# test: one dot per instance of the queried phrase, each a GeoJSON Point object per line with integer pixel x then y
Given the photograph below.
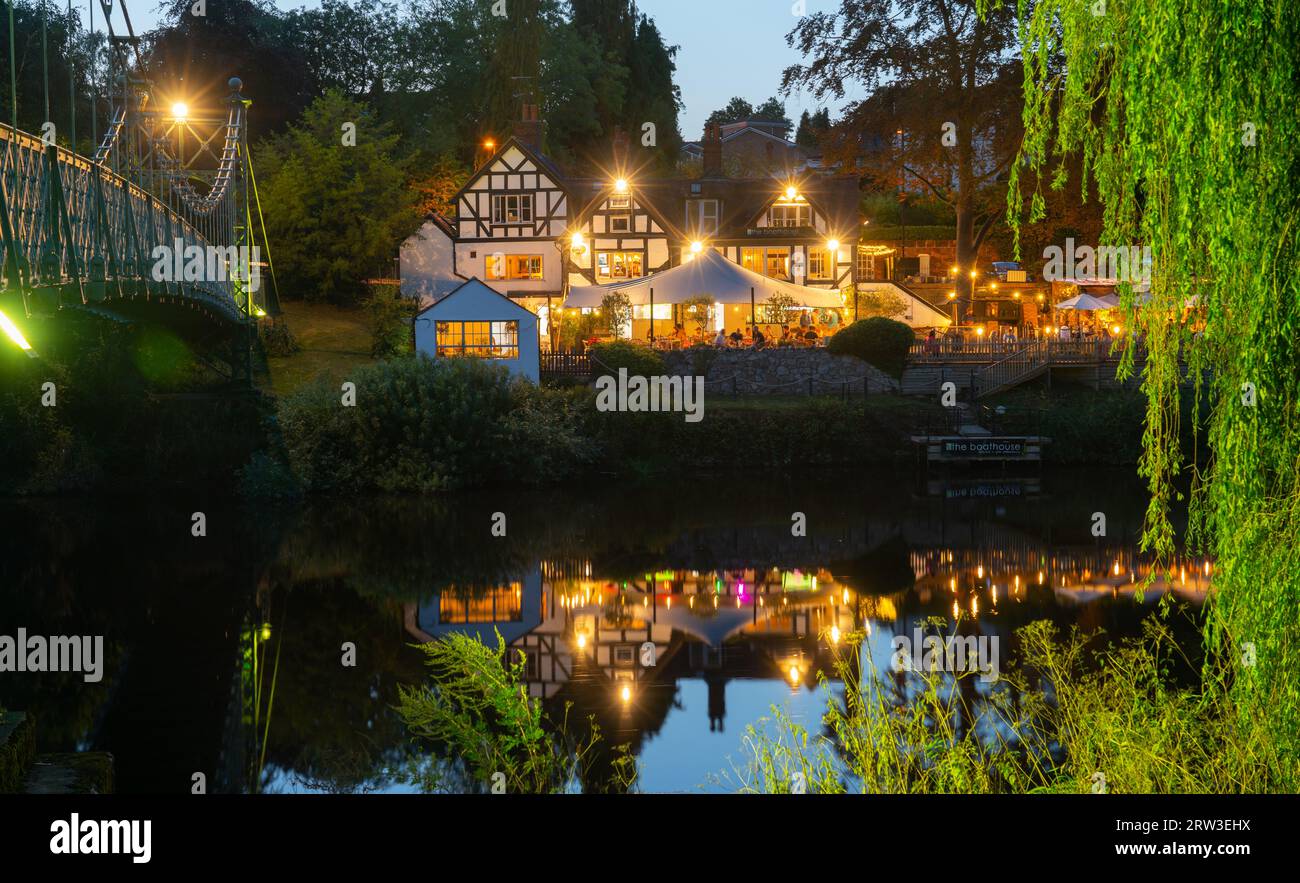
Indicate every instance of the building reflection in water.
{"type": "Point", "coordinates": [621, 638]}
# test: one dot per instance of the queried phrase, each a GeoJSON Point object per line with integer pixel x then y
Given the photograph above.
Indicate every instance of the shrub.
{"type": "Point", "coordinates": [877, 341]}
{"type": "Point", "coordinates": [423, 424]}
{"type": "Point", "coordinates": [607, 358]}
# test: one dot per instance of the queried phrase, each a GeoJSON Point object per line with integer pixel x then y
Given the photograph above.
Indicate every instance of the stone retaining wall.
{"type": "Point", "coordinates": [790, 371]}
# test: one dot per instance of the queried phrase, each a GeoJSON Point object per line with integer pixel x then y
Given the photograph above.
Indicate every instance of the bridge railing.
{"type": "Point", "coordinates": [62, 229]}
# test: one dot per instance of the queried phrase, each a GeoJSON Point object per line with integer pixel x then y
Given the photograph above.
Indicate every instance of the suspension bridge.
{"type": "Point", "coordinates": [156, 227]}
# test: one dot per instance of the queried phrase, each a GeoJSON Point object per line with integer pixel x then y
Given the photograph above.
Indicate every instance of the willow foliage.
{"type": "Point", "coordinates": [1187, 116]}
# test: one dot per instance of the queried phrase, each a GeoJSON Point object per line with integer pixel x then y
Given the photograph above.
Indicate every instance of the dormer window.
{"type": "Point", "coordinates": [796, 213]}
{"type": "Point", "coordinates": [702, 216]}
{"type": "Point", "coordinates": [620, 202]}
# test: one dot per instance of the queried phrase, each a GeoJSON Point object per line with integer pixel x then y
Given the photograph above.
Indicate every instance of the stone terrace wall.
{"type": "Point", "coordinates": [778, 371]}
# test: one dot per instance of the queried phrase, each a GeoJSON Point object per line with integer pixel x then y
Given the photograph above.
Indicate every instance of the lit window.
{"type": "Point", "coordinates": [778, 263]}
{"type": "Point", "coordinates": [820, 264]}
{"type": "Point", "coordinates": [512, 208]}
{"type": "Point", "coordinates": [618, 264]}
{"type": "Point", "coordinates": [620, 202]}
{"type": "Point", "coordinates": [484, 340]}
{"type": "Point", "coordinates": [790, 215]}
{"type": "Point", "coordinates": [513, 266]}
{"type": "Point", "coordinates": [752, 259]}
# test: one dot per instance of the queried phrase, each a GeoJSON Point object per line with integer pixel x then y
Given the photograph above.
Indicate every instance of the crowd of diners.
{"type": "Point", "coordinates": [812, 328]}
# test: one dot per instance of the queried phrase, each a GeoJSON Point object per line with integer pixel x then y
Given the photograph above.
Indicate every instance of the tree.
{"type": "Point", "coordinates": [195, 56]}
{"type": "Point", "coordinates": [335, 214]}
{"type": "Point", "coordinates": [1194, 152]}
{"type": "Point", "coordinates": [880, 301]}
{"type": "Point", "coordinates": [944, 111]}
{"type": "Point", "coordinates": [737, 109]}
{"type": "Point", "coordinates": [772, 110]}
{"type": "Point", "coordinates": [812, 128]}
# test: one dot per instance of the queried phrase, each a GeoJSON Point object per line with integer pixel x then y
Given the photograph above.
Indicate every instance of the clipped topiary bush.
{"type": "Point", "coordinates": [877, 341]}
{"type": "Point", "coordinates": [607, 358]}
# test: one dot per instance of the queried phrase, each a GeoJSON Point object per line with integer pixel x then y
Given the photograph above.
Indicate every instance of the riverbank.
{"type": "Point", "coordinates": [120, 425]}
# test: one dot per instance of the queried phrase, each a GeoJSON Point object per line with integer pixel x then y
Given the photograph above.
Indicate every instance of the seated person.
{"type": "Point", "coordinates": [810, 335]}
{"type": "Point", "coordinates": [759, 339]}
{"type": "Point", "coordinates": [737, 337]}
{"type": "Point", "coordinates": [721, 339]}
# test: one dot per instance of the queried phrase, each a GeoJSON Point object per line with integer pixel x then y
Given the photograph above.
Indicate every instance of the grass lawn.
{"type": "Point", "coordinates": [333, 341]}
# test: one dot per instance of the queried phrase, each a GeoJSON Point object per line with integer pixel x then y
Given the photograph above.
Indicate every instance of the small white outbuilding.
{"type": "Point", "coordinates": [475, 320]}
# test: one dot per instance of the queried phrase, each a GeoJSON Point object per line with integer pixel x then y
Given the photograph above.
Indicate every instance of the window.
{"type": "Point", "coordinates": [618, 223]}
{"type": "Point", "coordinates": [702, 216]}
{"type": "Point", "coordinates": [512, 208]}
{"type": "Point", "coordinates": [778, 263]}
{"type": "Point", "coordinates": [620, 202]}
{"type": "Point", "coordinates": [484, 340]}
{"type": "Point", "coordinates": [752, 259]}
{"type": "Point", "coordinates": [790, 215]}
{"type": "Point", "coordinates": [866, 266]}
{"type": "Point", "coordinates": [820, 263]}
{"type": "Point", "coordinates": [513, 266]}
{"type": "Point", "coordinates": [618, 264]}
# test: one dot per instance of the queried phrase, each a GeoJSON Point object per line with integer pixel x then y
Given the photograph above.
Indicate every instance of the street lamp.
{"type": "Point", "coordinates": [180, 111]}
{"type": "Point", "coordinates": [620, 186]}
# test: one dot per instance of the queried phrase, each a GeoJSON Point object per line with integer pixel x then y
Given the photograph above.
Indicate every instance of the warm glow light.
{"type": "Point", "coordinates": [791, 192]}
{"type": "Point", "coordinates": [11, 331]}
{"type": "Point", "coordinates": [626, 693]}
{"type": "Point", "coordinates": [1115, 330]}
{"type": "Point", "coordinates": [955, 269]}
{"type": "Point", "coordinates": [180, 111]}
{"type": "Point", "coordinates": [578, 241]}
{"type": "Point", "coordinates": [979, 332]}
{"type": "Point", "coordinates": [794, 674]}
{"type": "Point", "coordinates": [1016, 295]}
{"type": "Point", "coordinates": [952, 295]}
{"type": "Point", "coordinates": [972, 274]}
{"type": "Point", "coordinates": [835, 634]}
{"type": "Point", "coordinates": [582, 642]}
{"type": "Point", "coordinates": [620, 186]}
{"type": "Point", "coordinates": [697, 247]}
{"type": "Point", "coordinates": [833, 244]}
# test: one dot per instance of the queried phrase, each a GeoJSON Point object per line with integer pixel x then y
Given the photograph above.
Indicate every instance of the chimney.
{"type": "Point", "coordinates": [528, 128]}
{"type": "Point", "coordinates": [712, 147]}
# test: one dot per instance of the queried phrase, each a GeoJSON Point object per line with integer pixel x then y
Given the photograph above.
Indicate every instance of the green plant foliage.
{"type": "Point", "coordinates": [476, 708]}
{"type": "Point", "coordinates": [1185, 114]}
{"type": "Point", "coordinates": [424, 424]}
{"type": "Point", "coordinates": [607, 358]}
{"type": "Point", "coordinates": [336, 212]}
{"type": "Point", "coordinates": [877, 341]}
{"type": "Point", "coordinates": [1064, 713]}
{"type": "Point", "coordinates": [390, 316]}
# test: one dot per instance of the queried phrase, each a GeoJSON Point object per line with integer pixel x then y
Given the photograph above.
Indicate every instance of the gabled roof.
{"type": "Point", "coordinates": [580, 185]}
{"type": "Point", "coordinates": [544, 162]}
{"type": "Point", "coordinates": [480, 285]}
{"type": "Point", "coordinates": [745, 199]}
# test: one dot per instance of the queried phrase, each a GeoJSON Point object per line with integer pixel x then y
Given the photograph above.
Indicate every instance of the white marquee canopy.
{"type": "Point", "coordinates": [708, 275]}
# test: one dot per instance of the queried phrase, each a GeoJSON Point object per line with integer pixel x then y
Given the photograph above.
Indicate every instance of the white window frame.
{"type": "Point", "coordinates": [702, 222]}
{"type": "Point", "coordinates": [523, 208]}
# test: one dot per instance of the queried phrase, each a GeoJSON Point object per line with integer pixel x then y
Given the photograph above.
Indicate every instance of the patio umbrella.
{"type": "Point", "coordinates": [1085, 303]}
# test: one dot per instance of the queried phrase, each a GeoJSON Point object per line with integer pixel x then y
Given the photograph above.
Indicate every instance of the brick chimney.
{"type": "Point", "coordinates": [712, 148]}
{"type": "Point", "coordinates": [528, 128]}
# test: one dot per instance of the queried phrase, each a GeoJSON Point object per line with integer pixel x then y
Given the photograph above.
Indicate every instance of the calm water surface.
{"type": "Point", "coordinates": [224, 652]}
